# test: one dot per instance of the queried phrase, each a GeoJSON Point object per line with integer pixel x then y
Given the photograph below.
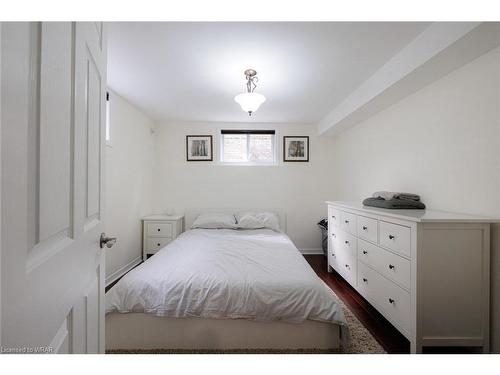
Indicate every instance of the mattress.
{"type": "Point", "coordinates": [256, 275]}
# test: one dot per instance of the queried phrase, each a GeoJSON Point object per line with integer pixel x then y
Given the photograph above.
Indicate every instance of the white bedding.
{"type": "Point", "coordinates": [228, 274]}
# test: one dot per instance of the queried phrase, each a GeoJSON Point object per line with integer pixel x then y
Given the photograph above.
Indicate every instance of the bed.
{"type": "Point", "coordinates": [222, 289]}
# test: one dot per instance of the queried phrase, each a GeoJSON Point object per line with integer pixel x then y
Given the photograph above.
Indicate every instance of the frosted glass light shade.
{"type": "Point", "coordinates": [250, 101]}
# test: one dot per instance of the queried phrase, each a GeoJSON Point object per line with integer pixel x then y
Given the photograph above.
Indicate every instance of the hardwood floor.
{"type": "Point", "coordinates": [383, 331]}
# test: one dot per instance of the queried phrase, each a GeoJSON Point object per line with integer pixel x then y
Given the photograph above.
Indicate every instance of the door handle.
{"type": "Point", "coordinates": [106, 241]}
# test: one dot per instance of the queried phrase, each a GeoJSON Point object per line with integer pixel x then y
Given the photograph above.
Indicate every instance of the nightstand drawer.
{"type": "Point", "coordinates": [159, 229]}
{"type": "Point", "coordinates": [155, 244]}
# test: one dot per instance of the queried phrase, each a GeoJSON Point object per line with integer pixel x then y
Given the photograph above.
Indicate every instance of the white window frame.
{"type": "Point", "coordinates": [108, 119]}
{"type": "Point", "coordinates": [220, 148]}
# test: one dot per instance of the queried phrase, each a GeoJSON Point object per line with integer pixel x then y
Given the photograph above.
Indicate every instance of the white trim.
{"type": "Point", "coordinates": [312, 251]}
{"type": "Point", "coordinates": [437, 51]}
{"type": "Point", "coordinates": [122, 271]}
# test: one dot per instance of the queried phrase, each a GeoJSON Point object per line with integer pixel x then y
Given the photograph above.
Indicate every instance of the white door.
{"type": "Point", "coordinates": [53, 82]}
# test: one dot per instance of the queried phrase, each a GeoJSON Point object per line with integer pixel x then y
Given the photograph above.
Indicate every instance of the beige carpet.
{"type": "Point", "coordinates": [362, 342]}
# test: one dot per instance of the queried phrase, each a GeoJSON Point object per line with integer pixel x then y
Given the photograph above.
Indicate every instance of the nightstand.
{"type": "Point", "coordinates": [158, 231]}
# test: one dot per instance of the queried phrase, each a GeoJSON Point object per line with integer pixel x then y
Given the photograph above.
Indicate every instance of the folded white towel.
{"type": "Point", "coordinates": [388, 195]}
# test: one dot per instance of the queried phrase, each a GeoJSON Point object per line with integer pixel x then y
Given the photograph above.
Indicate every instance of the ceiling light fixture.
{"type": "Point", "coordinates": [250, 101]}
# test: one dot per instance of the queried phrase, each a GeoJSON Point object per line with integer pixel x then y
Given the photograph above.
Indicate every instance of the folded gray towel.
{"type": "Point", "coordinates": [394, 203]}
{"type": "Point", "coordinates": [388, 195]}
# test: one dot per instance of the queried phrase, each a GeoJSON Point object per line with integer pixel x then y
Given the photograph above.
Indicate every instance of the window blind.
{"type": "Point", "coordinates": [237, 131]}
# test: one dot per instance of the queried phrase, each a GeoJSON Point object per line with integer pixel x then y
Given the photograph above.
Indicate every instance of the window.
{"type": "Point", "coordinates": [108, 124]}
{"type": "Point", "coordinates": [252, 147]}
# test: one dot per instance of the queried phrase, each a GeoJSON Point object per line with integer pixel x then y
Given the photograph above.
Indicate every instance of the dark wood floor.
{"type": "Point", "coordinates": [383, 331]}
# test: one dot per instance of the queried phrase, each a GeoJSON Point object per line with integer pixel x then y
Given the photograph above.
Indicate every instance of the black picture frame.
{"type": "Point", "coordinates": [209, 157]}
{"type": "Point", "coordinates": [302, 159]}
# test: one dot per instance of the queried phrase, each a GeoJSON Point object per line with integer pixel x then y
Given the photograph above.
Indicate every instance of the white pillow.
{"type": "Point", "coordinates": [257, 220]}
{"type": "Point", "coordinates": [215, 221]}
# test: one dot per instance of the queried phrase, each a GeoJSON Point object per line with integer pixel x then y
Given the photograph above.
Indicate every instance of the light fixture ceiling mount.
{"type": "Point", "coordinates": [250, 101]}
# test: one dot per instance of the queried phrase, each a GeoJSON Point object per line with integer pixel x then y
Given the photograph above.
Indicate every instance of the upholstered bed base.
{"type": "Point", "coordinates": [146, 331]}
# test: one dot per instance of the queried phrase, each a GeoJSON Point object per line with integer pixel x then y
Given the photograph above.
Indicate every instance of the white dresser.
{"type": "Point", "coordinates": [158, 231]}
{"type": "Point", "coordinates": [427, 272]}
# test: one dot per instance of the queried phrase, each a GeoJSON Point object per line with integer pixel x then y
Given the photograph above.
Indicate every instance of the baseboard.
{"type": "Point", "coordinates": [313, 251]}
{"type": "Point", "coordinates": [122, 270]}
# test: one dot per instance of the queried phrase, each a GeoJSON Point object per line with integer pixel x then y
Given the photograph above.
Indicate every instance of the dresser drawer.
{"type": "Point", "coordinates": [367, 228]}
{"type": "Point", "coordinates": [159, 229]}
{"type": "Point", "coordinates": [155, 244]}
{"type": "Point", "coordinates": [347, 267]}
{"type": "Point", "coordinates": [334, 219]}
{"type": "Point", "coordinates": [332, 259]}
{"type": "Point", "coordinates": [348, 222]}
{"type": "Point", "coordinates": [392, 266]}
{"type": "Point", "coordinates": [334, 237]}
{"type": "Point", "coordinates": [391, 300]}
{"type": "Point", "coordinates": [346, 243]}
{"type": "Point", "coordinates": [395, 237]}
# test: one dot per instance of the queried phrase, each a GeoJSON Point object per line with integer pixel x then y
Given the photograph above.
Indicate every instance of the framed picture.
{"type": "Point", "coordinates": [199, 148]}
{"type": "Point", "coordinates": [296, 148]}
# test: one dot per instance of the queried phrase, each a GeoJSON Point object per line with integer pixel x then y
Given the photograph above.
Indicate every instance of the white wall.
{"type": "Point", "coordinates": [300, 188]}
{"type": "Point", "coordinates": [443, 143]}
{"type": "Point", "coordinates": [129, 181]}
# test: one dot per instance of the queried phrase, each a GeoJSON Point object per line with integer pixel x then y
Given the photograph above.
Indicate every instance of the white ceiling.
{"type": "Point", "coordinates": [192, 71]}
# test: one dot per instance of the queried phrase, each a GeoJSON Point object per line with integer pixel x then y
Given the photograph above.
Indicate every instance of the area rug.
{"type": "Point", "coordinates": [362, 342]}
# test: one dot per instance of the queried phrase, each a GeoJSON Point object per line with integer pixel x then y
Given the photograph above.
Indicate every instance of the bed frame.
{"type": "Point", "coordinates": [136, 331]}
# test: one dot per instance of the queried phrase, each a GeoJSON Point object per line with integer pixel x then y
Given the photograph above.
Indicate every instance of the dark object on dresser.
{"type": "Point", "coordinates": [394, 203]}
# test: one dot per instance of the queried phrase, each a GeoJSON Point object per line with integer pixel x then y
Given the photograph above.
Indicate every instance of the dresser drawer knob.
{"type": "Point", "coordinates": [334, 235]}
{"type": "Point", "coordinates": [159, 229]}
{"type": "Point", "coordinates": [346, 221]}
{"type": "Point", "coordinates": [158, 244]}
{"type": "Point", "coordinates": [391, 237]}
{"type": "Point", "coordinates": [365, 280]}
{"type": "Point", "coordinates": [365, 227]}
{"type": "Point", "coordinates": [333, 255]}
{"type": "Point", "coordinates": [347, 266]}
{"type": "Point", "coordinates": [391, 300]}
{"type": "Point", "coordinates": [391, 266]}
{"type": "Point", "coordinates": [333, 217]}
{"type": "Point", "coordinates": [347, 242]}
{"type": "Point", "coordinates": [365, 252]}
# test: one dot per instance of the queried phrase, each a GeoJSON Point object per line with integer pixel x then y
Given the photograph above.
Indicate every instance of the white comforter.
{"type": "Point", "coordinates": [228, 274]}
